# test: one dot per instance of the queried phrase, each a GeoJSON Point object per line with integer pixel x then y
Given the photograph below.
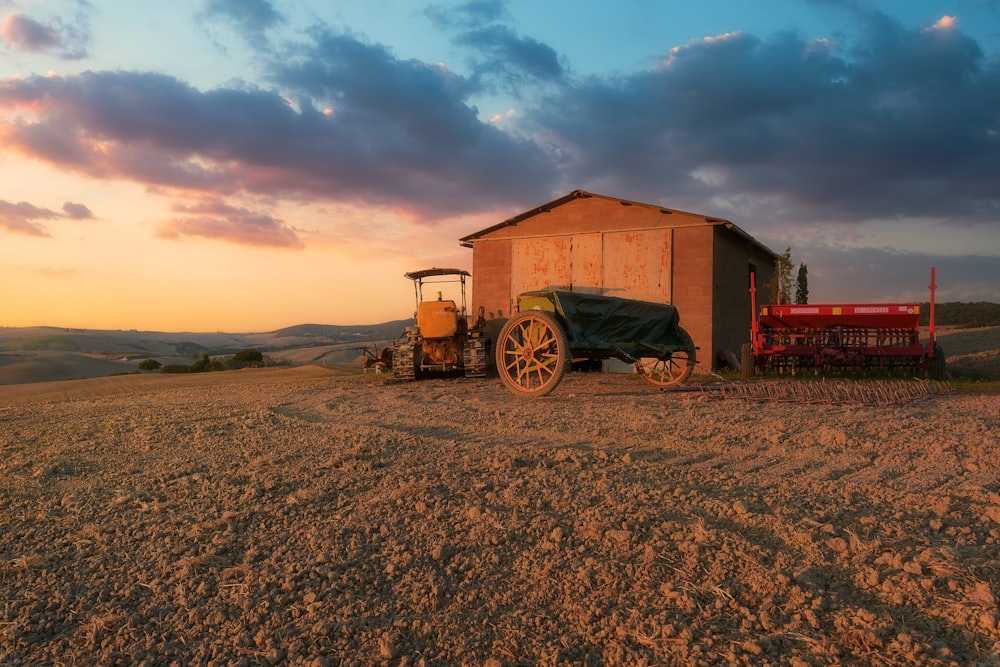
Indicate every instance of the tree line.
{"type": "Point", "coordinates": [205, 364]}
{"type": "Point", "coordinates": [961, 314]}
{"type": "Point", "coordinates": [782, 286]}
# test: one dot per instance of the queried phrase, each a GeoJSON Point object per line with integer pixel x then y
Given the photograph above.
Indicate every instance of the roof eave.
{"type": "Point", "coordinates": [544, 208]}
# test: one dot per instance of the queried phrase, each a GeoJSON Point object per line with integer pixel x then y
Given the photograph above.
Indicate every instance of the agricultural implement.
{"type": "Point", "coordinates": [789, 338]}
{"type": "Point", "coordinates": [553, 329]}
{"type": "Point", "coordinates": [440, 339]}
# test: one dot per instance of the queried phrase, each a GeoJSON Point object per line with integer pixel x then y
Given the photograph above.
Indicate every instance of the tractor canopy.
{"type": "Point", "coordinates": [438, 276]}
{"type": "Point", "coordinates": [428, 273]}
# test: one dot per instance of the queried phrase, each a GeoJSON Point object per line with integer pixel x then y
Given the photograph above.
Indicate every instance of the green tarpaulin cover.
{"type": "Point", "coordinates": [637, 328]}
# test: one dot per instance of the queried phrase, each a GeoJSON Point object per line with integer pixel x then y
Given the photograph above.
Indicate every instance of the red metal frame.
{"type": "Point", "coordinates": [862, 335]}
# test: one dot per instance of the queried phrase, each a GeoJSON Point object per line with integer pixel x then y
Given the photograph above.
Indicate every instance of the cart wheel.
{"type": "Point", "coordinates": [532, 353]}
{"type": "Point", "coordinates": [673, 370]}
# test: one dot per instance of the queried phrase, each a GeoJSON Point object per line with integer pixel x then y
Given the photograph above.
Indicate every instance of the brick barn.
{"type": "Point", "coordinates": [591, 243]}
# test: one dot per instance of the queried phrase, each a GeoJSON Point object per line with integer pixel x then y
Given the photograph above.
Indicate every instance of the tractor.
{"type": "Point", "coordinates": [440, 339]}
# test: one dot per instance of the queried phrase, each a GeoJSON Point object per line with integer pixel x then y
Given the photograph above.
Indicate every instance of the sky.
{"type": "Point", "coordinates": [246, 165]}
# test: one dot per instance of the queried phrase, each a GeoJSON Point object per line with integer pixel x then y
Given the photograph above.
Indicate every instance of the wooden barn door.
{"type": "Point", "coordinates": [637, 264]}
{"type": "Point", "coordinates": [540, 264]}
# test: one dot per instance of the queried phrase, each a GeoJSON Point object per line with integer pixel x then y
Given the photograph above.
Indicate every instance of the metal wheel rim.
{"type": "Point", "coordinates": [666, 372]}
{"type": "Point", "coordinates": [530, 357]}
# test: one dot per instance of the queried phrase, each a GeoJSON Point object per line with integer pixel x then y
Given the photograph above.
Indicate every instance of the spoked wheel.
{"type": "Point", "coordinates": [532, 353]}
{"type": "Point", "coordinates": [673, 370]}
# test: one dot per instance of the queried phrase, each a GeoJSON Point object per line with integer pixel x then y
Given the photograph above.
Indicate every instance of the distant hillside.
{"type": "Point", "coordinates": [133, 343]}
{"type": "Point", "coordinates": [124, 343]}
{"type": "Point", "coordinates": [46, 366]}
{"type": "Point", "coordinates": [964, 315]}
{"type": "Point", "coordinates": [346, 334]}
{"type": "Point", "coordinates": [59, 342]}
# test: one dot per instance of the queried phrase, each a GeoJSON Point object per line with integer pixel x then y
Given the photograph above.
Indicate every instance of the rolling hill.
{"type": "Point", "coordinates": [43, 354]}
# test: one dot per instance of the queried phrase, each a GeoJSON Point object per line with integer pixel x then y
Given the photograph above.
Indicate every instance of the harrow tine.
{"type": "Point", "coordinates": [834, 392]}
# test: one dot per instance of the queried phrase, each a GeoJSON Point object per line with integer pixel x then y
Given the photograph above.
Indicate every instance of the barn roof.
{"type": "Point", "coordinates": [583, 194]}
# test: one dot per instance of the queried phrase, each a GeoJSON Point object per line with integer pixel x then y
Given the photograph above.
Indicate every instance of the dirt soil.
{"type": "Point", "coordinates": [306, 518]}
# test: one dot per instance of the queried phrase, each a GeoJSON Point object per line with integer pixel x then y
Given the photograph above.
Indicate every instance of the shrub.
{"type": "Point", "coordinates": [248, 357]}
{"type": "Point", "coordinates": [149, 365]}
{"type": "Point", "coordinates": [175, 368]}
{"type": "Point", "coordinates": [202, 364]}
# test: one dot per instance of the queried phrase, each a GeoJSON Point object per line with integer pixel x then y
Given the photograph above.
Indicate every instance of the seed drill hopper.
{"type": "Point", "coordinates": [826, 338]}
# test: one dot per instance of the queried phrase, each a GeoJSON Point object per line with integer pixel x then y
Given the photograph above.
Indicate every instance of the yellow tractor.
{"type": "Point", "coordinates": [440, 339]}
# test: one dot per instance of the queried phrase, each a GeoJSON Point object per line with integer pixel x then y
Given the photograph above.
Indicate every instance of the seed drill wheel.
{"type": "Point", "coordinates": [532, 353]}
{"type": "Point", "coordinates": [670, 371]}
{"type": "Point", "coordinates": [936, 366]}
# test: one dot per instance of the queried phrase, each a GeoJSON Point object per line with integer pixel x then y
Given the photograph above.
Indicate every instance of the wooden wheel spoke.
{"type": "Point", "coordinates": [547, 359]}
{"type": "Point", "coordinates": [524, 372]}
{"type": "Point", "coordinates": [540, 366]}
{"type": "Point", "coordinates": [546, 338]}
{"type": "Point", "coordinates": [513, 364]}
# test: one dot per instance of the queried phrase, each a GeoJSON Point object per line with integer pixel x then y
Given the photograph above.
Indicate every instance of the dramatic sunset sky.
{"type": "Point", "coordinates": [244, 165]}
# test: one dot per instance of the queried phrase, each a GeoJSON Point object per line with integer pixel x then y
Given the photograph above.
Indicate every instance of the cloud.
{"type": "Point", "coordinates": [252, 15]}
{"type": "Point", "coordinates": [511, 59]}
{"type": "Point", "coordinates": [77, 211]}
{"type": "Point", "coordinates": [251, 18]}
{"type": "Point", "coordinates": [399, 134]}
{"type": "Point", "coordinates": [498, 56]}
{"type": "Point", "coordinates": [27, 34]}
{"type": "Point", "coordinates": [212, 219]}
{"type": "Point", "coordinates": [67, 40]}
{"type": "Point", "coordinates": [944, 23]}
{"type": "Point", "coordinates": [20, 218]}
{"type": "Point", "coordinates": [903, 122]}
{"type": "Point", "coordinates": [467, 15]}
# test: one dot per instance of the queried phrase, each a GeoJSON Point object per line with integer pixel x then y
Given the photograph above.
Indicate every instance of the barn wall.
{"type": "Point", "coordinates": [491, 273]}
{"type": "Point", "coordinates": [734, 258]}
{"type": "Point", "coordinates": [692, 277]}
{"type": "Point", "coordinates": [732, 295]}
